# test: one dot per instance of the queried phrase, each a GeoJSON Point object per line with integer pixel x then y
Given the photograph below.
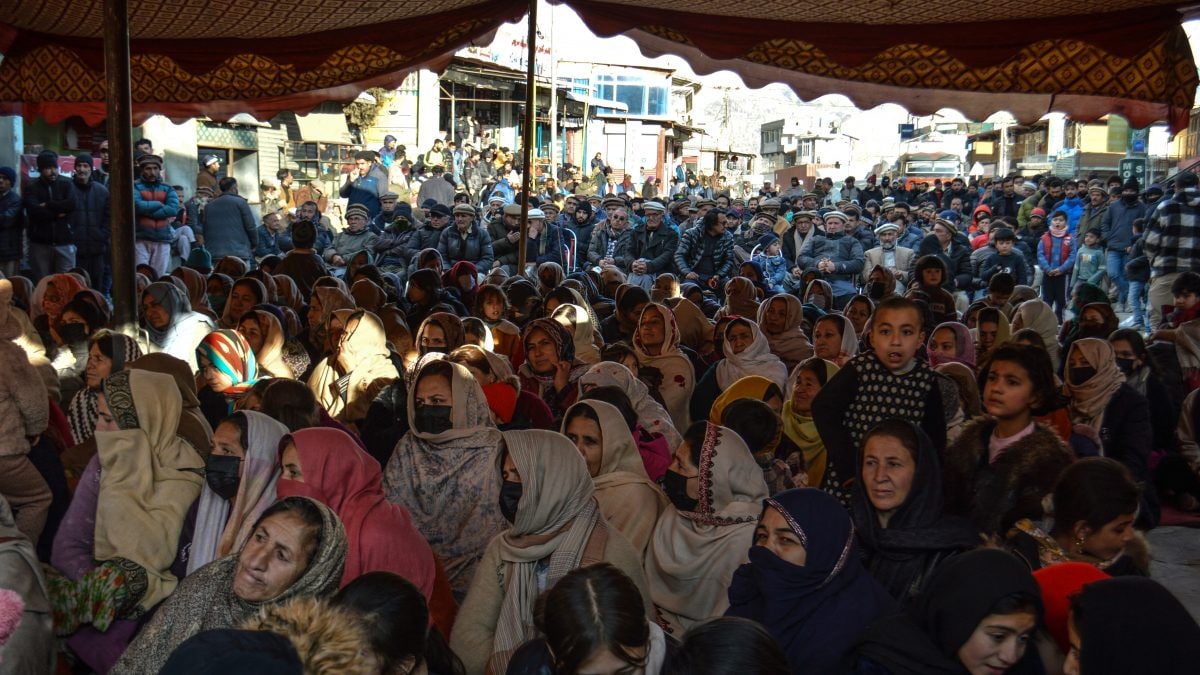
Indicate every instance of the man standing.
{"type": "Point", "coordinates": [1170, 242]}
{"type": "Point", "coordinates": [208, 174]}
{"type": "Point", "coordinates": [959, 189]}
{"type": "Point", "coordinates": [1006, 204]}
{"type": "Point", "coordinates": [1093, 214]}
{"type": "Point", "coordinates": [363, 187]}
{"type": "Point", "coordinates": [437, 187]}
{"type": "Point", "coordinates": [48, 207]}
{"type": "Point", "coordinates": [12, 223]}
{"type": "Point", "coordinates": [228, 226]}
{"type": "Point", "coordinates": [287, 196]}
{"type": "Point", "coordinates": [101, 175]}
{"type": "Point", "coordinates": [90, 221]}
{"type": "Point", "coordinates": [155, 204]}
{"type": "Point", "coordinates": [1117, 232]}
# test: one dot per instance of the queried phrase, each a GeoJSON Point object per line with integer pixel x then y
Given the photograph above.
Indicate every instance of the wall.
{"type": "Point", "coordinates": [176, 144]}
{"type": "Point", "coordinates": [410, 114]}
{"type": "Point", "coordinates": [12, 140]}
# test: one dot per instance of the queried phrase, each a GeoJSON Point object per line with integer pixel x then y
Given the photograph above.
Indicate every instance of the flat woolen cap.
{"type": "Point", "coordinates": [464, 208]}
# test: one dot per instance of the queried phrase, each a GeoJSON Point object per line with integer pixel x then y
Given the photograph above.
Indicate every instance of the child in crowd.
{"type": "Point", "coordinates": [770, 258]}
{"type": "Point", "coordinates": [1005, 259]}
{"type": "Point", "coordinates": [999, 289]}
{"type": "Point", "coordinates": [1056, 257]}
{"type": "Point", "coordinates": [1137, 272]}
{"type": "Point", "coordinates": [887, 382]}
{"type": "Point", "coordinates": [1089, 260]}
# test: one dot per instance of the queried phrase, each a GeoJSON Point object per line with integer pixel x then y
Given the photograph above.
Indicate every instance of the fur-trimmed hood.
{"type": "Point", "coordinates": [330, 640]}
{"type": "Point", "coordinates": [998, 495]}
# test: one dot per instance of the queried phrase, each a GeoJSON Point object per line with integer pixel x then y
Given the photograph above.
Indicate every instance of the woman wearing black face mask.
{"type": "Point", "coordinates": [444, 469]}
{"type": "Point", "coordinates": [548, 495]}
{"type": "Point", "coordinates": [1117, 416]}
{"type": "Point", "coordinates": [239, 484]}
{"type": "Point", "coordinates": [717, 489]}
{"type": "Point", "coordinates": [79, 320]}
{"type": "Point", "coordinates": [440, 332]}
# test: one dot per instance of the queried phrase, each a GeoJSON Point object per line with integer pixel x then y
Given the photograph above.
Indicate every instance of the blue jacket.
{"type": "Point", "coordinates": [268, 242]}
{"type": "Point", "coordinates": [154, 203]}
{"type": "Point", "coordinates": [775, 269]}
{"type": "Point", "coordinates": [1117, 228]}
{"type": "Point", "coordinates": [1060, 249]}
{"type": "Point", "coordinates": [364, 190]}
{"type": "Point", "coordinates": [1073, 206]}
{"type": "Point", "coordinates": [228, 227]}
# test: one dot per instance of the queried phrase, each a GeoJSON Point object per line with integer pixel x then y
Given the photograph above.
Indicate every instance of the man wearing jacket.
{"type": "Point", "coordinates": [228, 226]}
{"type": "Point", "coordinates": [652, 247]}
{"type": "Point", "coordinates": [705, 253]}
{"type": "Point", "coordinates": [1169, 242]}
{"type": "Point", "coordinates": [362, 186]}
{"type": "Point", "coordinates": [835, 257]}
{"type": "Point", "coordinates": [155, 205]}
{"type": "Point", "coordinates": [90, 221]}
{"type": "Point", "coordinates": [610, 241]}
{"type": "Point", "coordinates": [1006, 204]}
{"type": "Point", "coordinates": [48, 206]}
{"type": "Point", "coordinates": [12, 223]}
{"type": "Point", "coordinates": [466, 240]}
{"type": "Point", "coordinates": [1117, 232]}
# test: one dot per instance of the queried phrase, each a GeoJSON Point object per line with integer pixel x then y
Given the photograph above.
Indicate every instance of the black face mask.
{"type": "Point", "coordinates": [223, 475]}
{"type": "Point", "coordinates": [1126, 365]}
{"type": "Point", "coordinates": [875, 290]}
{"type": "Point", "coordinates": [1129, 199]}
{"type": "Point", "coordinates": [434, 419]}
{"type": "Point", "coordinates": [1082, 374]}
{"type": "Point", "coordinates": [73, 333]}
{"type": "Point", "coordinates": [675, 485]}
{"type": "Point", "coordinates": [510, 499]}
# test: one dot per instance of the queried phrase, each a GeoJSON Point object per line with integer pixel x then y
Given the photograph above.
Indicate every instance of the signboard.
{"type": "Point", "coordinates": [907, 131]}
{"type": "Point", "coordinates": [1133, 167]}
{"type": "Point", "coordinates": [1137, 140]}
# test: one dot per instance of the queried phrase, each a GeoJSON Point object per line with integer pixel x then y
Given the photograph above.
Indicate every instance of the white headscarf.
{"type": "Point", "coordinates": [653, 417]}
{"type": "Point", "coordinates": [756, 359]}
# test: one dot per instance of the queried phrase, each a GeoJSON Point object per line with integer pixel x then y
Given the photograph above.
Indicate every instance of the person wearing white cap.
{"type": "Point", "coordinates": [896, 259]}
{"type": "Point", "coordinates": [651, 246]}
{"type": "Point", "coordinates": [210, 166]}
{"type": "Point", "coordinates": [545, 241]}
{"type": "Point", "coordinates": [835, 257]}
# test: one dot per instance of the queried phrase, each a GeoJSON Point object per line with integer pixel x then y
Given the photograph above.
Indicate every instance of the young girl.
{"type": "Point", "coordinates": [999, 468]}
{"type": "Point", "coordinates": [887, 382]}
{"type": "Point", "coordinates": [491, 305]}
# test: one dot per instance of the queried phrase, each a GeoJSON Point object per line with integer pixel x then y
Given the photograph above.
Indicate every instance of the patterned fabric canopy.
{"type": "Point", "coordinates": [221, 57]}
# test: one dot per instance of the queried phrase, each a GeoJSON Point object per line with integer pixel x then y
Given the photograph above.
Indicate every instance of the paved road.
{"type": "Point", "coordinates": [1176, 563]}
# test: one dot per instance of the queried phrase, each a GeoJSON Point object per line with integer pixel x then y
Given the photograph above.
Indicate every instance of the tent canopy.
{"type": "Point", "coordinates": [225, 56]}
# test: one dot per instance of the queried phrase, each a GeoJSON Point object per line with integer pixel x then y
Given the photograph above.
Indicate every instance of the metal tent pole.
{"type": "Point", "coordinates": [530, 120]}
{"type": "Point", "coordinates": [120, 144]}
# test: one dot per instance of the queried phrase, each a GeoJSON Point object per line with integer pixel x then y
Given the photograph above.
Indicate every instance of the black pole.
{"type": "Point", "coordinates": [120, 148]}
{"type": "Point", "coordinates": [530, 120]}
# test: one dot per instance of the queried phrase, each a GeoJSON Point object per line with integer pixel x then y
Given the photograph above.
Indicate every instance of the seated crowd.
{"type": "Point", "coordinates": [696, 439]}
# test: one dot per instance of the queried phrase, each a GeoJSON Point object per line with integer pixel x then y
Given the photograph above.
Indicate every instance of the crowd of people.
{"type": "Point", "coordinates": [872, 431]}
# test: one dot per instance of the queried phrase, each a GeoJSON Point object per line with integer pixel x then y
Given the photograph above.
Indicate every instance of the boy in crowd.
{"type": "Point", "coordinates": [1004, 259]}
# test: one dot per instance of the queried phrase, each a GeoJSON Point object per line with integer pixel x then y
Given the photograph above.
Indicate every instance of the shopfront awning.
{"type": "Point", "coordinates": [597, 102]}
{"type": "Point", "coordinates": [324, 127]}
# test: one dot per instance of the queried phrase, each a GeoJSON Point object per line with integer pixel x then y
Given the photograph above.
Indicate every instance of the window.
{"type": "Point", "coordinates": [645, 96]}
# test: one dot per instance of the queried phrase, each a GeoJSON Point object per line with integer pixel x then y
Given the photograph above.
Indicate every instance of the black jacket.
{"type": "Point", "coordinates": [90, 219]}
{"type": "Point", "coordinates": [958, 260]}
{"type": "Point", "coordinates": [657, 247]}
{"type": "Point", "coordinates": [51, 223]}
{"type": "Point", "coordinates": [12, 223]}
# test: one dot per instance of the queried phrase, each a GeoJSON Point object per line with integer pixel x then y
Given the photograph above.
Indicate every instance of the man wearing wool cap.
{"type": "Point", "coordinates": [356, 237]}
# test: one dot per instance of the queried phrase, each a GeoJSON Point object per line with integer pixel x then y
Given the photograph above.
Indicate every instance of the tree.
{"type": "Point", "coordinates": [362, 115]}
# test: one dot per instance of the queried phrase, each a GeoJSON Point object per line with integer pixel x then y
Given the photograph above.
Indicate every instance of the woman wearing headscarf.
{"type": "Point", "coordinates": [578, 322]}
{"type": "Point", "coordinates": [1111, 413]}
{"type": "Point", "coordinates": [991, 330]}
{"type": "Point", "coordinates": [232, 266]}
{"type": "Point", "coordinates": [695, 332]}
{"type": "Point", "coordinates": [228, 369]}
{"type": "Point", "coordinates": [297, 550]}
{"type": "Point", "coordinates": [898, 511]}
{"type": "Point", "coordinates": [549, 276]}
{"type": "Point", "coordinates": [49, 298]}
{"type": "Point", "coordinates": [440, 332]}
{"type": "Point", "coordinates": [245, 294]}
{"type": "Point", "coordinates": [1131, 626]}
{"type": "Point", "coordinates": [364, 357]}
{"type": "Point", "coordinates": [264, 334]}
{"type": "Point", "coordinates": [239, 484]}
{"type": "Point", "coordinates": [172, 327]}
{"type": "Point", "coordinates": [289, 292]}
{"type": "Point", "coordinates": [834, 339]}
{"type": "Point", "coordinates": [556, 526]}
{"type": "Point", "coordinates": [951, 342]}
{"type": "Point", "coordinates": [747, 352]}
{"type": "Point", "coordinates": [108, 353]}
{"type": "Point", "coordinates": [550, 369]}
{"type": "Point", "coordinates": [463, 277]}
{"type": "Point", "coordinates": [801, 458]}
{"type": "Point", "coordinates": [754, 387]}
{"type": "Point", "coordinates": [968, 406]}
{"type": "Point", "coordinates": [444, 469]}
{"type": "Point", "coordinates": [741, 297]}
{"type": "Point", "coordinates": [425, 295]}
{"type": "Point", "coordinates": [630, 502]}
{"type": "Point", "coordinates": [120, 536]}
{"type": "Point", "coordinates": [321, 306]}
{"type": "Point", "coordinates": [367, 295]}
{"type": "Point", "coordinates": [819, 295]}
{"type": "Point", "coordinates": [197, 290]}
{"type": "Point", "coordinates": [656, 343]}
{"type": "Point", "coordinates": [779, 317]}
{"type": "Point", "coordinates": [1084, 294]}
{"type": "Point", "coordinates": [961, 623]}
{"type": "Point", "coordinates": [1038, 316]}
{"type": "Point", "coordinates": [652, 416]}
{"type": "Point", "coordinates": [328, 466]}
{"type": "Point", "coordinates": [859, 310]}
{"type": "Point", "coordinates": [804, 581]}
{"type": "Point", "coordinates": [716, 491]}
{"type": "Point", "coordinates": [193, 426]}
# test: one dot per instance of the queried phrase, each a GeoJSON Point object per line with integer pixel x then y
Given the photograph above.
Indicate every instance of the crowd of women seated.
{"type": "Point", "coordinates": [533, 477]}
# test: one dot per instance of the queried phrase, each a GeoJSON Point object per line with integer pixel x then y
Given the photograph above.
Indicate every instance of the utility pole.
{"type": "Point", "coordinates": [553, 102]}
